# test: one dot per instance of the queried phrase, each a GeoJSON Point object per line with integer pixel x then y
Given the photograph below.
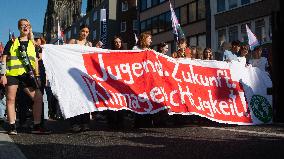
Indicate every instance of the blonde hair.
{"type": "Point", "coordinates": [31, 35]}
{"type": "Point", "coordinates": [142, 39]}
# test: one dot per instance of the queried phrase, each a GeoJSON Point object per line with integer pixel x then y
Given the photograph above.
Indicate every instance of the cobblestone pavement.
{"type": "Point", "coordinates": [191, 140]}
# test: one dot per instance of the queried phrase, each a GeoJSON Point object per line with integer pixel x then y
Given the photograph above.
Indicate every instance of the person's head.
{"type": "Point", "coordinates": [207, 54]}
{"type": "Point", "coordinates": [39, 40]}
{"type": "Point", "coordinates": [145, 40]}
{"type": "Point", "coordinates": [226, 46]}
{"type": "Point", "coordinates": [193, 52]}
{"type": "Point", "coordinates": [117, 43]}
{"type": "Point", "coordinates": [257, 52]}
{"type": "Point", "coordinates": [84, 31]}
{"type": "Point", "coordinates": [244, 50]}
{"type": "Point", "coordinates": [182, 43]}
{"type": "Point", "coordinates": [235, 46]}
{"type": "Point", "coordinates": [199, 53]}
{"type": "Point", "coordinates": [25, 28]}
{"type": "Point", "coordinates": [163, 48]}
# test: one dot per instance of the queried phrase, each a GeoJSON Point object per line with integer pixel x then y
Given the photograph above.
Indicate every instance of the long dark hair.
{"type": "Point", "coordinates": [113, 44]}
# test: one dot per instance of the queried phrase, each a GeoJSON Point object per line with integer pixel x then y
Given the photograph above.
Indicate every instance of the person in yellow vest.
{"type": "Point", "coordinates": [15, 72]}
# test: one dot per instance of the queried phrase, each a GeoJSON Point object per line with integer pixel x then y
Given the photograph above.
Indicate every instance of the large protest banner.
{"type": "Point", "coordinates": [86, 79]}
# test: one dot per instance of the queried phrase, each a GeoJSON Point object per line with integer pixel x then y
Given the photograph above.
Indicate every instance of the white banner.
{"type": "Point", "coordinates": [87, 79]}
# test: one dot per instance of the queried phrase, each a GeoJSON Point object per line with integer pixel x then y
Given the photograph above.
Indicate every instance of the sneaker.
{"type": "Point", "coordinates": [37, 129]}
{"type": "Point", "coordinates": [12, 129]}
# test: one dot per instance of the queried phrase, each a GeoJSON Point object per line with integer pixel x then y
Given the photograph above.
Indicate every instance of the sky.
{"type": "Point", "coordinates": [13, 10]}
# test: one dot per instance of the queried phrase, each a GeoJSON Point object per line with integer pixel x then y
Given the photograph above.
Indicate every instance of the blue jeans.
{"type": "Point", "coordinates": [2, 107]}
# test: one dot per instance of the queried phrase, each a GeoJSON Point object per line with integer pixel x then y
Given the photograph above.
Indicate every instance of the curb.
{"type": "Point", "coordinates": [8, 149]}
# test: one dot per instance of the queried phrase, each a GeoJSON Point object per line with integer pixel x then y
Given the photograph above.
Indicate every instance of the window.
{"type": "Point", "coordinates": [135, 24]}
{"type": "Point", "coordinates": [95, 16]}
{"type": "Point", "coordinates": [202, 41]}
{"type": "Point", "coordinates": [124, 6]}
{"type": "Point", "coordinates": [260, 30]}
{"type": "Point", "coordinates": [149, 3]}
{"type": "Point", "coordinates": [221, 36]}
{"type": "Point", "coordinates": [192, 12]}
{"type": "Point", "coordinates": [244, 32]}
{"type": "Point", "coordinates": [233, 33]}
{"type": "Point", "coordinates": [162, 22]}
{"type": "Point", "coordinates": [155, 25]}
{"type": "Point", "coordinates": [243, 2]}
{"type": "Point", "coordinates": [155, 2]}
{"type": "Point", "coordinates": [148, 25]}
{"type": "Point", "coordinates": [177, 13]}
{"type": "Point", "coordinates": [193, 41]}
{"type": "Point", "coordinates": [168, 21]}
{"type": "Point", "coordinates": [143, 26]}
{"type": "Point", "coordinates": [232, 3]}
{"type": "Point", "coordinates": [184, 13]}
{"type": "Point", "coordinates": [123, 27]}
{"type": "Point", "coordinates": [201, 9]}
{"type": "Point", "coordinates": [221, 6]}
{"type": "Point", "coordinates": [143, 4]}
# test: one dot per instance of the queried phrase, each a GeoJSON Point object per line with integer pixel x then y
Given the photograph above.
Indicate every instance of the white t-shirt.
{"type": "Point", "coordinates": [261, 63]}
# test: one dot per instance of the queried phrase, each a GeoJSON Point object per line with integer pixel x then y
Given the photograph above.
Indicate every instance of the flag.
{"type": "Point", "coordinates": [252, 40]}
{"type": "Point", "coordinates": [1, 48]}
{"type": "Point", "coordinates": [59, 34]}
{"type": "Point", "coordinates": [136, 39]}
{"type": "Point", "coordinates": [10, 34]}
{"type": "Point", "coordinates": [13, 36]}
{"type": "Point", "coordinates": [178, 33]}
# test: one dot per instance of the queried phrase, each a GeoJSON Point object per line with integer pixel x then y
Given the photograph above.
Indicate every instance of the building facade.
{"type": "Point", "coordinates": [155, 17]}
{"type": "Point", "coordinates": [121, 20]}
{"type": "Point", "coordinates": [229, 18]}
{"type": "Point", "coordinates": [66, 12]}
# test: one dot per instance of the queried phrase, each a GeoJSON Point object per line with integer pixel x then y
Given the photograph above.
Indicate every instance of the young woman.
{"type": "Point", "coordinates": [163, 48]}
{"type": "Point", "coordinates": [207, 54]}
{"type": "Point", "coordinates": [243, 54]}
{"type": "Point", "coordinates": [183, 51]}
{"type": "Point", "coordinates": [144, 41]}
{"type": "Point", "coordinates": [117, 43]}
{"type": "Point", "coordinates": [83, 35]}
{"type": "Point", "coordinates": [258, 60]}
{"type": "Point", "coordinates": [81, 122]}
{"type": "Point", "coordinates": [17, 73]}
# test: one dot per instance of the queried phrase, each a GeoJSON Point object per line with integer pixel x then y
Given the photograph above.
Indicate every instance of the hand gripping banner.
{"type": "Point", "coordinates": [86, 79]}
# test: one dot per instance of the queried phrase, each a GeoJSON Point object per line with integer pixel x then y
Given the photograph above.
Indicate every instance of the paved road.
{"type": "Point", "coordinates": [193, 140]}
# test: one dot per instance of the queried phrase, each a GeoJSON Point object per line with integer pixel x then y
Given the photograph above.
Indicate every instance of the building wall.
{"type": "Point", "coordinates": [66, 12]}
{"type": "Point", "coordinates": [230, 23]}
{"type": "Point", "coordinates": [194, 28]}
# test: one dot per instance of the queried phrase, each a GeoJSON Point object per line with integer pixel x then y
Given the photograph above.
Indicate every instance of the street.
{"type": "Point", "coordinates": [192, 140]}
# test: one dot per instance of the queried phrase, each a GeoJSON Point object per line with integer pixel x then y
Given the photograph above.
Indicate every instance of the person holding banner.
{"type": "Point", "coordinates": [258, 60]}
{"type": "Point", "coordinates": [230, 55]}
{"type": "Point", "coordinates": [117, 43]}
{"type": "Point", "coordinates": [163, 48]}
{"type": "Point", "coordinates": [20, 58]}
{"type": "Point", "coordinates": [207, 54]}
{"type": "Point", "coordinates": [183, 51]}
{"type": "Point", "coordinates": [83, 35]}
{"type": "Point", "coordinates": [81, 122]}
{"type": "Point", "coordinates": [144, 41]}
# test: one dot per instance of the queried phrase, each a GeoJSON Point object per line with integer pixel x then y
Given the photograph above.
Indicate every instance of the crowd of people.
{"type": "Point", "coordinates": [25, 81]}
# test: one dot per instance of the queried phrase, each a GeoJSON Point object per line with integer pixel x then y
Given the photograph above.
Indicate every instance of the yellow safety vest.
{"type": "Point", "coordinates": [15, 66]}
